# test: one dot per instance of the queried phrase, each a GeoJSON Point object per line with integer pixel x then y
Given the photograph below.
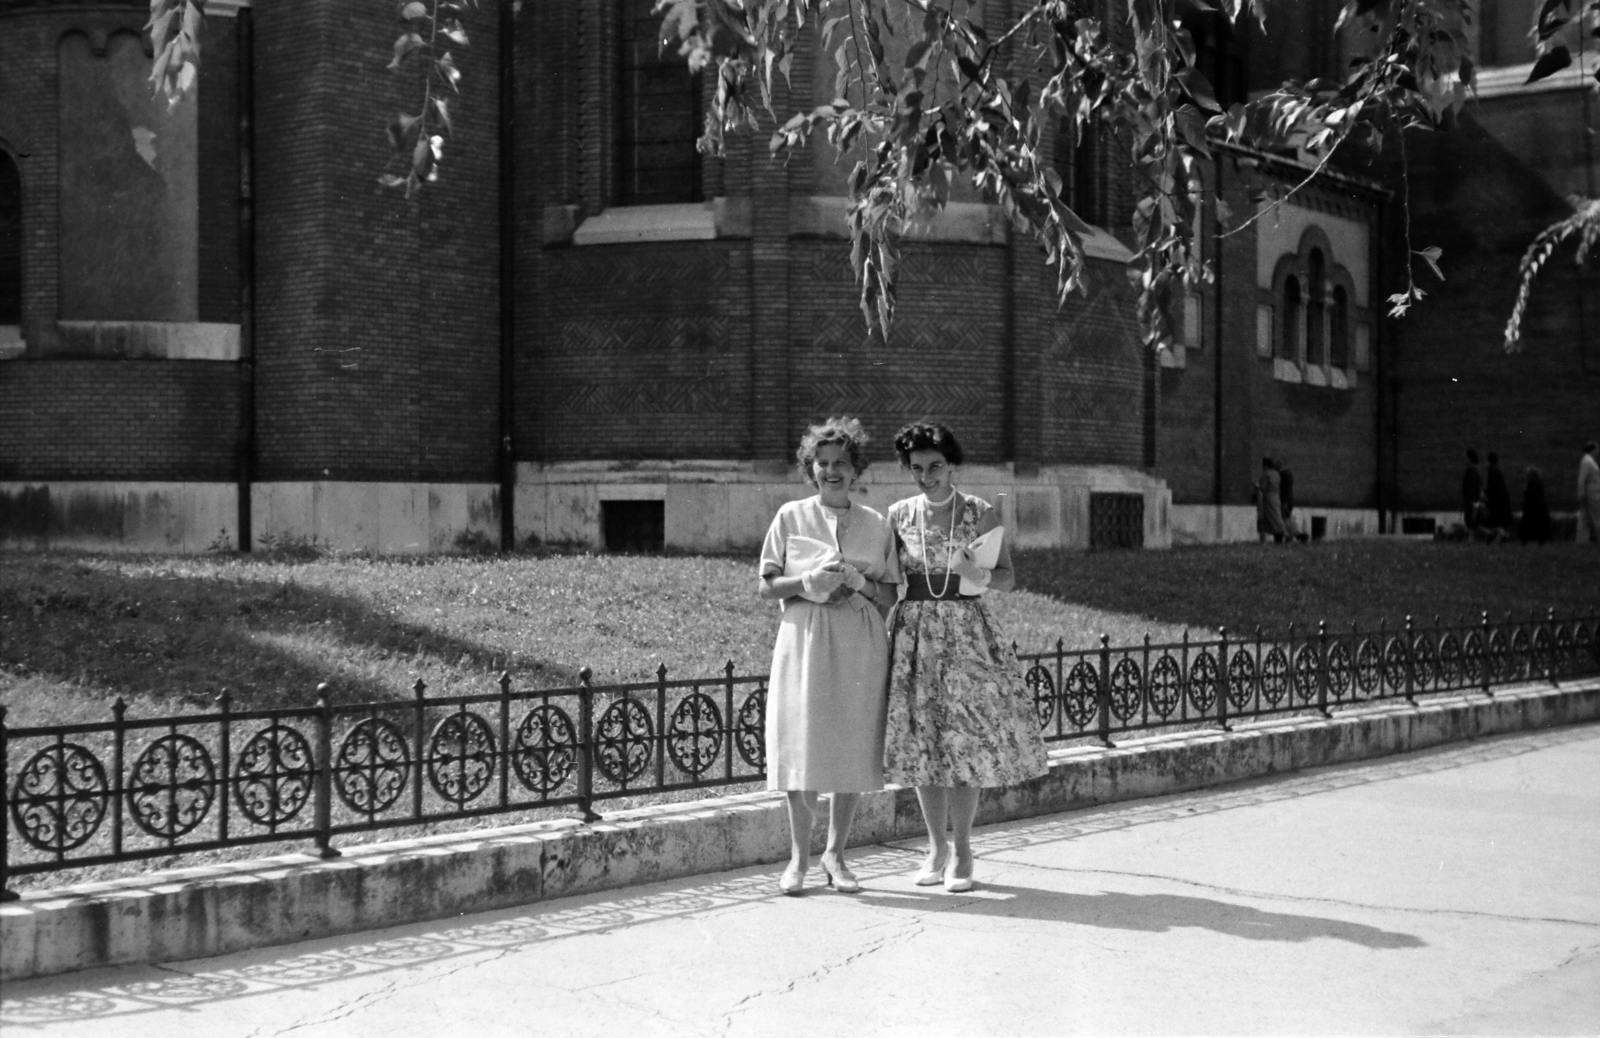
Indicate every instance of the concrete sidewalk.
{"type": "Point", "coordinates": [1446, 892]}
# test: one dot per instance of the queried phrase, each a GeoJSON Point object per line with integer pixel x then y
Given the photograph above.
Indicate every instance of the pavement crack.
{"type": "Point", "coordinates": [900, 936]}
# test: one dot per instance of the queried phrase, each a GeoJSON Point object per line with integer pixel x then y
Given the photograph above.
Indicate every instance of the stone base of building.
{"type": "Point", "coordinates": [382, 518]}
{"type": "Point", "coordinates": [728, 505]}
{"type": "Point", "coordinates": [1228, 524]}
{"type": "Point", "coordinates": [695, 506]}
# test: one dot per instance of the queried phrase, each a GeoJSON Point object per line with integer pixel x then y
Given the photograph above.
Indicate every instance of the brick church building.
{"type": "Point", "coordinates": [217, 329]}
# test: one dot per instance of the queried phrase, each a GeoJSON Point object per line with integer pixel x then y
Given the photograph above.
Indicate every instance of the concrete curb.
{"type": "Point", "coordinates": [193, 913]}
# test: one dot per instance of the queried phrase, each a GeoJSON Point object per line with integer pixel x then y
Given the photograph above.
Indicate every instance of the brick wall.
{"type": "Point", "coordinates": [729, 349]}
{"type": "Point", "coordinates": [117, 420]}
{"type": "Point", "coordinates": [83, 418]}
{"type": "Point", "coordinates": [28, 106]}
{"type": "Point", "coordinates": [377, 327]}
{"type": "Point", "coordinates": [1481, 194]}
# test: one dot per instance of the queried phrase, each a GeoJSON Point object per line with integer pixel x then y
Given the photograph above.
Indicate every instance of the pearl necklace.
{"type": "Point", "coordinates": [949, 544]}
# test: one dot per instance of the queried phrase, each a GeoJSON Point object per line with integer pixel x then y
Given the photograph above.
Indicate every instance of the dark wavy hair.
{"type": "Point", "coordinates": [927, 436]}
{"type": "Point", "coordinates": [847, 432]}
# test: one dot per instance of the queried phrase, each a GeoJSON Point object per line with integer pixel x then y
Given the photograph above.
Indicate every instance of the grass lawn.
{"type": "Point", "coordinates": [76, 631]}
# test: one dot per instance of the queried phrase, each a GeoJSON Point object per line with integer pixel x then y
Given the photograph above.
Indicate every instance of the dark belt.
{"type": "Point", "coordinates": [918, 589]}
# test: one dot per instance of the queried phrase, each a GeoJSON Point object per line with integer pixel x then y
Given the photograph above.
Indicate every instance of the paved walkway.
{"type": "Point", "coordinates": [1449, 892]}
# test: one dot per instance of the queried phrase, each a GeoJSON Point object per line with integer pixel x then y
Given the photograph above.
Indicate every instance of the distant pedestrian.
{"type": "Point", "coordinates": [831, 564]}
{"type": "Point", "coordinates": [1269, 504]}
{"type": "Point", "coordinates": [1534, 525]}
{"type": "Point", "coordinates": [1286, 498]}
{"type": "Point", "coordinates": [1589, 494]}
{"type": "Point", "coordinates": [1497, 501]}
{"type": "Point", "coordinates": [1471, 493]}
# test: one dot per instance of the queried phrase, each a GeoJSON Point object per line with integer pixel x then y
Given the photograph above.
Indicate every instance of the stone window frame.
{"type": "Point", "coordinates": [602, 218]}
{"type": "Point", "coordinates": [1296, 299]}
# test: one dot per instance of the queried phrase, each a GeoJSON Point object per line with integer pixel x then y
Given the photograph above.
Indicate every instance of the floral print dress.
{"type": "Point", "coordinates": [959, 713]}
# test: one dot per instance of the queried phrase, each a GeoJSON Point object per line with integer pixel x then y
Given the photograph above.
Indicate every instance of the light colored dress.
{"type": "Point", "coordinates": [959, 713]}
{"type": "Point", "coordinates": [825, 696]}
{"type": "Point", "coordinates": [1588, 499]}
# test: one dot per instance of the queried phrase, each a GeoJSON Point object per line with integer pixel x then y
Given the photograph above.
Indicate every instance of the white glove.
{"type": "Point", "coordinates": [821, 580]}
{"type": "Point", "coordinates": [854, 579]}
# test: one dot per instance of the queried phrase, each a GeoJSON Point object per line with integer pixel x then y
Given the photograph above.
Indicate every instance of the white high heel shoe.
{"type": "Point", "coordinates": [954, 884]}
{"type": "Point", "coordinates": [793, 882]}
{"type": "Point", "coordinates": [930, 877]}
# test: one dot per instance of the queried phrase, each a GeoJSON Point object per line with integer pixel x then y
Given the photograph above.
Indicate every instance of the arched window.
{"type": "Point", "coordinates": [10, 242]}
{"type": "Point", "coordinates": [1316, 345]}
{"type": "Point", "coordinates": [1341, 328]}
{"type": "Point", "coordinates": [1293, 318]}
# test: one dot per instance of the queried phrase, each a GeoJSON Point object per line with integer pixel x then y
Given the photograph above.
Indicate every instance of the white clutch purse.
{"type": "Point", "coordinates": [986, 553]}
{"type": "Point", "coordinates": [803, 554]}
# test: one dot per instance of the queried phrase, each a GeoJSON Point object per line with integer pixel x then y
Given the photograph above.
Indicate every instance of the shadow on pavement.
{"type": "Point", "coordinates": [1152, 913]}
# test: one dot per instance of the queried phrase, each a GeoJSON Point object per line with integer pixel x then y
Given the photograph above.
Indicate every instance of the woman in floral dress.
{"type": "Point", "coordinates": [960, 717]}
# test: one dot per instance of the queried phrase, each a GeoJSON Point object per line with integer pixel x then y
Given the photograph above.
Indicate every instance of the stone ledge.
{"type": "Point", "coordinates": [213, 910]}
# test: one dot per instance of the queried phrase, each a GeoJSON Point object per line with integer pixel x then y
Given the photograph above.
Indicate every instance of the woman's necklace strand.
{"type": "Point", "coordinates": [949, 544]}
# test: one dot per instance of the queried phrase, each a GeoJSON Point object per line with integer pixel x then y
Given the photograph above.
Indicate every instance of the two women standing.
{"type": "Point", "coordinates": [949, 714]}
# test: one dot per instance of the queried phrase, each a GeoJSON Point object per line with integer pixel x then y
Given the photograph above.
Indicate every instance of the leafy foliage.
{"type": "Point", "coordinates": [1552, 18]}
{"type": "Point", "coordinates": [963, 99]}
{"type": "Point", "coordinates": [417, 138]}
{"type": "Point", "coordinates": [174, 28]}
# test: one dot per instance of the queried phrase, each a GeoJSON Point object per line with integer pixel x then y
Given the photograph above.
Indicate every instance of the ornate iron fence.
{"type": "Point", "coordinates": [1099, 692]}
{"type": "Point", "coordinates": [135, 788]}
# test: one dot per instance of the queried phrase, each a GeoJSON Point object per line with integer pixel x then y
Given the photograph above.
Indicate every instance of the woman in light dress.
{"type": "Point", "coordinates": [825, 696]}
{"type": "Point", "coordinates": [960, 717]}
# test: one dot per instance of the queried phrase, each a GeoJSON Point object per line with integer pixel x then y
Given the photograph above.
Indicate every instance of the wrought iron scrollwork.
{"type": "Point", "coordinates": [1304, 672]}
{"type": "Point", "coordinates": [1340, 670]}
{"type": "Point", "coordinates": [1275, 676]}
{"type": "Point", "coordinates": [1203, 675]}
{"type": "Point", "coordinates": [1127, 688]}
{"type": "Point", "coordinates": [1451, 665]}
{"type": "Point", "coordinates": [623, 739]}
{"type": "Point", "coordinates": [1042, 687]}
{"type": "Point", "coordinates": [544, 750]}
{"type": "Point", "coordinates": [1474, 658]}
{"type": "Point", "coordinates": [461, 755]}
{"type": "Point", "coordinates": [1498, 658]}
{"type": "Point", "coordinates": [1424, 662]}
{"type": "Point", "coordinates": [750, 738]}
{"type": "Point", "coordinates": [694, 734]}
{"type": "Point", "coordinates": [273, 777]}
{"type": "Point", "coordinates": [1369, 668]}
{"type": "Point", "coordinates": [373, 765]}
{"type": "Point", "coordinates": [172, 786]}
{"type": "Point", "coordinates": [1083, 688]}
{"type": "Point", "coordinates": [59, 798]}
{"type": "Point", "coordinates": [1241, 678]}
{"type": "Point", "coordinates": [1520, 659]}
{"type": "Point", "coordinates": [1394, 664]}
{"type": "Point", "coordinates": [1166, 686]}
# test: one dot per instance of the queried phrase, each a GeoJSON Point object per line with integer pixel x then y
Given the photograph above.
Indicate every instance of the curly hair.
{"type": "Point", "coordinates": [847, 432]}
{"type": "Point", "coordinates": [927, 436]}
